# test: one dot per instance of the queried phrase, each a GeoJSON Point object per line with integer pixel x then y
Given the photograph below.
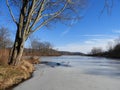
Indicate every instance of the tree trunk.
{"type": "Point", "coordinates": [16, 51]}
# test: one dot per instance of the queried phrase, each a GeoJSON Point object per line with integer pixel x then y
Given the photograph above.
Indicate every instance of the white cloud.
{"type": "Point", "coordinates": [94, 35]}
{"type": "Point", "coordinates": [89, 42]}
{"type": "Point", "coordinates": [87, 45]}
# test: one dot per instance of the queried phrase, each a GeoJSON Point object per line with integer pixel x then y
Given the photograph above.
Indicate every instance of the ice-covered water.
{"type": "Point", "coordinates": [90, 65]}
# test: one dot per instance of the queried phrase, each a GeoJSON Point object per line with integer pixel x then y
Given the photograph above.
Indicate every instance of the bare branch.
{"type": "Point", "coordinates": [49, 19]}
{"type": "Point", "coordinates": [41, 8]}
{"type": "Point", "coordinates": [107, 6]}
{"type": "Point", "coordinates": [11, 13]}
{"type": "Point", "coordinates": [29, 17]}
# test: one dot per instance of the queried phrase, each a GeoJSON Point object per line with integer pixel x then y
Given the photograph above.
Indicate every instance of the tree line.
{"type": "Point", "coordinates": [41, 48]}
{"type": "Point", "coordinates": [113, 50]}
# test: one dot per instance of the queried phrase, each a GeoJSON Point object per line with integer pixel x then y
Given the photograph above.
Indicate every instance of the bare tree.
{"type": "Point", "coordinates": [96, 50]}
{"type": "Point", "coordinates": [41, 47]}
{"type": "Point", "coordinates": [34, 14]}
{"type": "Point", "coordinates": [35, 44]}
{"type": "Point", "coordinates": [5, 41]}
{"type": "Point", "coordinates": [110, 46]}
{"type": "Point", "coordinates": [47, 45]}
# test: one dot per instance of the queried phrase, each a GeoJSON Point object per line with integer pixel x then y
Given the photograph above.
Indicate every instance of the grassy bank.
{"type": "Point", "coordinates": [12, 75]}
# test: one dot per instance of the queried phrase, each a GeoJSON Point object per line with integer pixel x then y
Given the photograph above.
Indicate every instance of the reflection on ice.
{"type": "Point", "coordinates": [55, 64]}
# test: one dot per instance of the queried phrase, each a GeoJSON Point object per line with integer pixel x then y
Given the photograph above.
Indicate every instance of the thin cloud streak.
{"type": "Point", "coordinates": [98, 35]}
{"type": "Point", "coordinates": [65, 32]}
{"type": "Point", "coordinates": [68, 29]}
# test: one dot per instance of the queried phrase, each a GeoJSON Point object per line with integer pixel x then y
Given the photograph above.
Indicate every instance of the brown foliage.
{"type": "Point", "coordinates": [32, 59]}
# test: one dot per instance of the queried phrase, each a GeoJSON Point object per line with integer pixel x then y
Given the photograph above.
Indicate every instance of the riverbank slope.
{"type": "Point", "coordinates": [13, 75]}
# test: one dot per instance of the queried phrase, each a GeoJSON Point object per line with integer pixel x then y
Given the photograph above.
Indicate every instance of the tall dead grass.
{"type": "Point", "coordinates": [12, 75]}
{"type": "Point", "coordinates": [4, 55]}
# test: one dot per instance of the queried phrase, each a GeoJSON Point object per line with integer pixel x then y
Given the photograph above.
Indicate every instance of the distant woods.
{"type": "Point", "coordinates": [40, 48]}
{"type": "Point", "coordinates": [96, 50]}
{"type": "Point", "coordinates": [113, 50]}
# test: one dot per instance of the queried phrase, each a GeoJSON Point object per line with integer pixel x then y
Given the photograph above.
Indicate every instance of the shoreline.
{"type": "Point", "coordinates": [12, 76]}
{"type": "Point", "coordinates": [13, 86]}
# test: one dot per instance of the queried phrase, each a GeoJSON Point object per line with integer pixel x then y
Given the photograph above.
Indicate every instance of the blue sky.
{"type": "Point", "coordinates": [92, 30]}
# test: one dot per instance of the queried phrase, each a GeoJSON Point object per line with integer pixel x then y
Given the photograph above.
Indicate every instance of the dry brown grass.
{"type": "Point", "coordinates": [4, 52]}
{"type": "Point", "coordinates": [4, 60]}
{"type": "Point", "coordinates": [12, 75]}
{"type": "Point", "coordinates": [32, 59]}
{"type": "Point", "coordinates": [4, 55]}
